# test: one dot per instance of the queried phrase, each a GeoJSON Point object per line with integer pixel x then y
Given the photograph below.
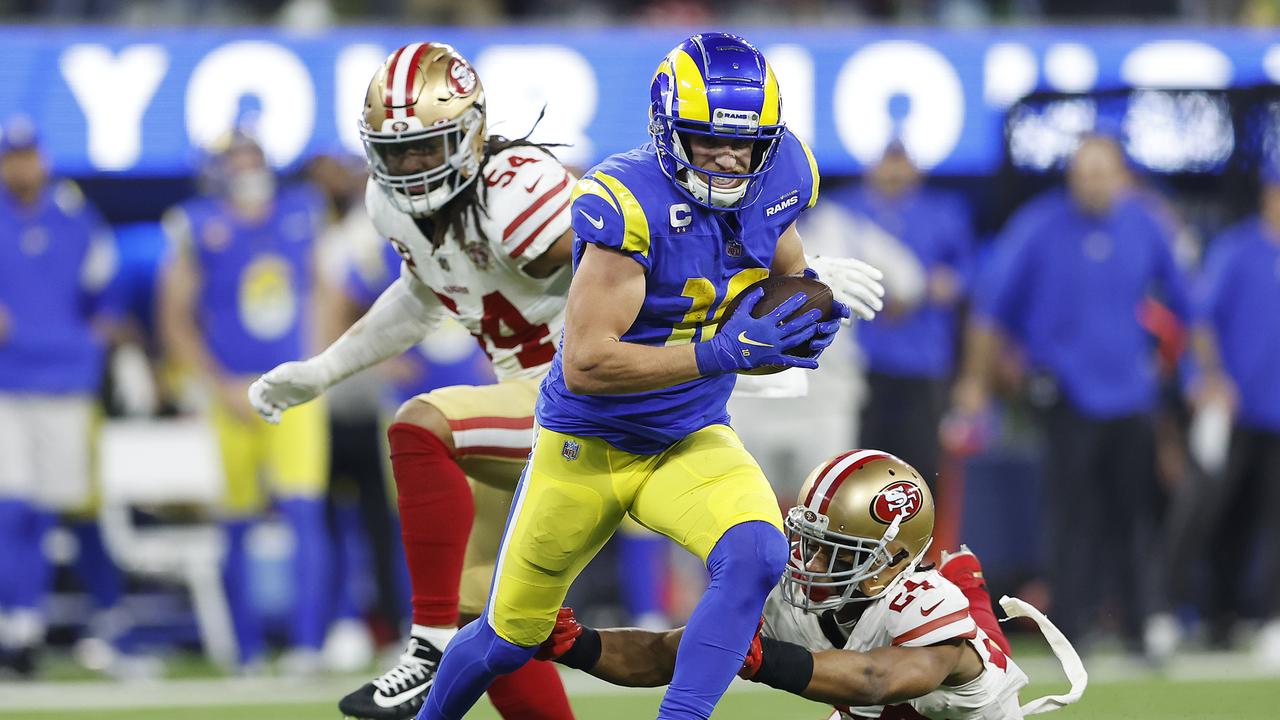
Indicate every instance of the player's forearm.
{"type": "Point", "coordinates": [612, 367]}
{"type": "Point", "coordinates": [982, 343]}
{"type": "Point", "coordinates": [637, 658]}
{"type": "Point", "coordinates": [398, 320]}
{"type": "Point", "coordinates": [841, 677]}
{"type": "Point", "coordinates": [184, 345]}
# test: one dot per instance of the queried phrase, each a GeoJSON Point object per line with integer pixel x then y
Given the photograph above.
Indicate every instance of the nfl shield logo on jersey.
{"type": "Point", "coordinates": [570, 449]}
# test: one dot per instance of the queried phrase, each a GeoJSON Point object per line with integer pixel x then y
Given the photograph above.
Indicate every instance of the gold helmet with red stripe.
{"type": "Point", "coordinates": [423, 126]}
{"type": "Point", "coordinates": [863, 522]}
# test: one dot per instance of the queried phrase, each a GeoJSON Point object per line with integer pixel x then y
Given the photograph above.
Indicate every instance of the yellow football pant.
{"type": "Point", "coordinates": [575, 492]}
{"type": "Point", "coordinates": [291, 459]}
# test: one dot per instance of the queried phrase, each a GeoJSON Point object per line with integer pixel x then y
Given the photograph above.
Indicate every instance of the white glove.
{"type": "Point", "coordinates": [852, 282]}
{"type": "Point", "coordinates": [286, 385]}
{"type": "Point", "coordinates": [403, 314]}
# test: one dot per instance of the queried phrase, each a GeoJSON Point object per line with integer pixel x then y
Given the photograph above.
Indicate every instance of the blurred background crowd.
{"type": "Point", "coordinates": [1081, 349]}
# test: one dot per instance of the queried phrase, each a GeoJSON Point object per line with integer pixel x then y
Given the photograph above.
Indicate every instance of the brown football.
{"type": "Point", "coordinates": [777, 289]}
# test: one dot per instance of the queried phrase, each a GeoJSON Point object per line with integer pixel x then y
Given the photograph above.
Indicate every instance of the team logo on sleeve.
{"type": "Point", "coordinates": [900, 498]}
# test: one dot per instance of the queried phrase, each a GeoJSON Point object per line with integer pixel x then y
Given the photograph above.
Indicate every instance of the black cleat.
{"type": "Point", "coordinates": [399, 692]}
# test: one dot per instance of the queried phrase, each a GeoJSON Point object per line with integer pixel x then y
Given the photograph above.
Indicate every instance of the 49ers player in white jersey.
{"type": "Point", "coordinates": [856, 622]}
{"type": "Point", "coordinates": [482, 224]}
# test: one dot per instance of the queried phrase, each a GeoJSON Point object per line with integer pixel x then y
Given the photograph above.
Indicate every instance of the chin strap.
{"type": "Point", "coordinates": [1066, 654]}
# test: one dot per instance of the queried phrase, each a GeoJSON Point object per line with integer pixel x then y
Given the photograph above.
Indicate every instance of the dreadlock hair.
{"type": "Point", "coordinates": [473, 200]}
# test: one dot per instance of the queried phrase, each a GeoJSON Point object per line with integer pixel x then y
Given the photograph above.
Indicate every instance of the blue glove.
{"type": "Point", "coordinates": [827, 330]}
{"type": "Point", "coordinates": [745, 342]}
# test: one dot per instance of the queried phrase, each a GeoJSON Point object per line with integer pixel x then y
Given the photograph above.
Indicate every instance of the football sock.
{"type": "Point", "coordinates": [309, 613]}
{"type": "Point", "coordinates": [436, 510]}
{"type": "Point", "coordinates": [250, 642]}
{"type": "Point", "coordinates": [965, 572]}
{"type": "Point", "coordinates": [473, 659]}
{"type": "Point", "coordinates": [642, 573]}
{"type": "Point", "coordinates": [745, 565]}
{"type": "Point", "coordinates": [534, 692]}
{"type": "Point", "coordinates": [97, 571]}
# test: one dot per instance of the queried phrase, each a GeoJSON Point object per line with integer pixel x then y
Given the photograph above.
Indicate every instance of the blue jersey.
{"type": "Point", "coordinates": [55, 257]}
{"type": "Point", "coordinates": [1068, 286]}
{"type": "Point", "coordinates": [695, 261]}
{"type": "Point", "coordinates": [1239, 297]}
{"type": "Point", "coordinates": [935, 226]}
{"type": "Point", "coordinates": [256, 277]}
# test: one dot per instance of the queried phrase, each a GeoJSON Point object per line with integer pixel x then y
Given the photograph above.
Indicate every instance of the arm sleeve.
{"type": "Point", "coordinates": [401, 317]}
{"type": "Point", "coordinates": [1000, 287]}
{"type": "Point", "coordinates": [606, 213]}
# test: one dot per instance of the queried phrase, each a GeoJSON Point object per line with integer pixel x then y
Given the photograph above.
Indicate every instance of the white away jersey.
{"type": "Point", "coordinates": [924, 610]}
{"type": "Point", "coordinates": [524, 196]}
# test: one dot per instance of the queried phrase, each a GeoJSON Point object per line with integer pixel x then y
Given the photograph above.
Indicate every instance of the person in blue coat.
{"type": "Point", "coordinates": [1237, 342]}
{"type": "Point", "coordinates": [1065, 283]}
{"type": "Point", "coordinates": [909, 348]}
{"type": "Point", "coordinates": [57, 258]}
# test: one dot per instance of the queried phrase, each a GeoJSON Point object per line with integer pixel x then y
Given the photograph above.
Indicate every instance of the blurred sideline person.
{"type": "Point", "coordinates": [909, 347]}
{"type": "Point", "coordinates": [856, 619]}
{"type": "Point", "coordinates": [481, 224]}
{"type": "Point", "coordinates": [1065, 283]}
{"type": "Point", "coordinates": [57, 258]}
{"type": "Point", "coordinates": [1237, 343]}
{"type": "Point", "coordinates": [235, 300]}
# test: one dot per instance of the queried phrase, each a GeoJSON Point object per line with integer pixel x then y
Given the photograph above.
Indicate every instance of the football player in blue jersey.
{"type": "Point", "coordinates": [631, 418]}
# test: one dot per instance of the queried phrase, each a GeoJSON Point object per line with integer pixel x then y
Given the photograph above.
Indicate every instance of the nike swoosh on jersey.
{"type": "Point", "coordinates": [742, 337]}
{"type": "Point", "coordinates": [531, 188]}
{"type": "Point", "coordinates": [926, 612]}
{"type": "Point", "coordinates": [597, 222]}
{"type": "Point", "coordinates": [389, 702]}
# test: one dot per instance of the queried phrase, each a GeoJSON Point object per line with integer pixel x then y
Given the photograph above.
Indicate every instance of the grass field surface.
{"type": "Point", "coordinates": [1139, 698]}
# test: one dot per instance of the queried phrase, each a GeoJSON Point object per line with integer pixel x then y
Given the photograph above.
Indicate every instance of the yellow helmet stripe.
{"type": "Point", "coordinates": [771, 111]}
{"type": "Point", "coordinates": [635, 226]}
{"type": "Point", "coordinates": [813, 170]}
{"type": "Point", "coordinates": [690, 88]}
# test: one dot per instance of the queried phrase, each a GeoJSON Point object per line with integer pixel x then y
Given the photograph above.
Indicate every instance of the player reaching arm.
{"type": "Point", "coordinates": [854, 621]}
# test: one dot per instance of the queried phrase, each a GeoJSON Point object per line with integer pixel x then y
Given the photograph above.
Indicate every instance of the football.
{"type": "Point", "coordinates": [776, 291]}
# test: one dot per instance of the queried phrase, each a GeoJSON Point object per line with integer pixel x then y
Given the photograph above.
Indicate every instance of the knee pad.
{"type": "Point", "coordinates": [753, 554]}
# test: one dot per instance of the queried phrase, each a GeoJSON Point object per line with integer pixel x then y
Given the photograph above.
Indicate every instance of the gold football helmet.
{"type": "Point", "coordinates": [423, 126]}
{"type": "Point", "coordinates": [864, 520]}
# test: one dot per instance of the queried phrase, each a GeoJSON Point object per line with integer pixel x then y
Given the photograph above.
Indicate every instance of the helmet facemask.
{"type": "Point", "coordinates": [425, 192]}
{"type": "Point", "coordinates": [857, 569]}
{"type": "Point", "coordinates": [675, 157]}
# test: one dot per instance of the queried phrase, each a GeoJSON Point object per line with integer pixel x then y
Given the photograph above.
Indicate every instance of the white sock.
{"type": "Point", "coordinates": [439, 637]}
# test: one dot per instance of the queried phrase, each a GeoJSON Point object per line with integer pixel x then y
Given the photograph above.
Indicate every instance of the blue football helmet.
{"type": "Point", "coordinates": [717, 85]}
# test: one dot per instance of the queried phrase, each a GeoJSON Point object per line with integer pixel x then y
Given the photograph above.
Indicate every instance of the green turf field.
{"type": "Point", "coordinates": [1153, 699]}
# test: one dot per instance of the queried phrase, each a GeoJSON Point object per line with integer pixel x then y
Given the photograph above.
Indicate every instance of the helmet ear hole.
{"type": "Point", "coordinates": [899, 556]}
